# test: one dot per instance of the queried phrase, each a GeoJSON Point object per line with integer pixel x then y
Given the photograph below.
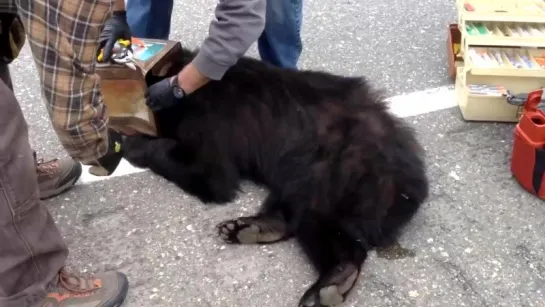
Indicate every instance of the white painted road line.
{"type": "Point", "coordinates": [124, 168]}
{"type": "Point", "coordinates": [423, 102]}
{"type": "Point", "coordinates": [404, 105]}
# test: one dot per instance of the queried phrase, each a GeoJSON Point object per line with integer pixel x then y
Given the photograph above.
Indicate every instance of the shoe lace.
{"type": "Point", "coordinates": [49, 167]}
{"type": "Point", "coordinates": [76, 283]}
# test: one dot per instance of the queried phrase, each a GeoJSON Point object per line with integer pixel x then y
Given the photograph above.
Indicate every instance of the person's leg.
{"type": "Point", "coordinates": [32, 250]}
{"type": "Point", "coordinates": [280, 44]}
{"type": "Point", "coordinates": [150, 18]}
{"type": "Point", "coordinates": [54, 176]}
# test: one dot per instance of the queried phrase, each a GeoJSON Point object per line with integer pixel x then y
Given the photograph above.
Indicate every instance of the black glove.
{"type": "Point", "coordinates": [115, 28]}
{"type": "Point", "coordinates": [161, 95]}
{"type": "Point", "coordinates": [107, 164]}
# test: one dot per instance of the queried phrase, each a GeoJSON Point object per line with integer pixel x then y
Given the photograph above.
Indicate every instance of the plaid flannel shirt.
{"type": "Point", "coordinates": [63, 36]}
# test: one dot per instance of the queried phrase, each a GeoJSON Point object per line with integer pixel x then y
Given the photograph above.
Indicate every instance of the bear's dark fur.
{"type": "Point", "coordinates": [343, 173]}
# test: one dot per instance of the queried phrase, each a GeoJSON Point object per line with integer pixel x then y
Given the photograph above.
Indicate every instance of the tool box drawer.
{"type": "Point", "coordinates": [482, 102]}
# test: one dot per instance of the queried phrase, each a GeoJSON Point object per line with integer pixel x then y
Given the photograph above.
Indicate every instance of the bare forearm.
{"type": "Point", "coordinates": [64, 60]}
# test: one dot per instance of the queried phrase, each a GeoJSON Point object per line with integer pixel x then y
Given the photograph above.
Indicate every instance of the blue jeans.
{"type": "Point", "coordinates": [279, 44]}
{"type": "Point", "coordinates": [150, 18]}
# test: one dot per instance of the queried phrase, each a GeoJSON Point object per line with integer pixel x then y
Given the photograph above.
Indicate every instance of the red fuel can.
{"type": "Point", "coordinates": [528, 156]}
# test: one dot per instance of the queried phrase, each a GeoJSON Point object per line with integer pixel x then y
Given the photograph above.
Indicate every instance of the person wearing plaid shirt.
{"type": "Point", "coordinates": [64, 37]}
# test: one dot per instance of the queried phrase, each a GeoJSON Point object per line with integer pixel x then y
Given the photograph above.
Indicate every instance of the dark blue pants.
{"type": "Point", "coordinates": [280, 44]}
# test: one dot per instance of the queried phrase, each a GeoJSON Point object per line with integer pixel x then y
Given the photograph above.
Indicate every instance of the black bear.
{"type": "Point", "coordinates": [343, 173]}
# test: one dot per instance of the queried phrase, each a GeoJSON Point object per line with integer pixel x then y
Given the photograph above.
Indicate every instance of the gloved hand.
{"type": "Point", "coordinates": [161, 95]}
{"type": "Point", "coordinates": [115, 28]}
{"type": "Point", "coordinates": [107, 164]}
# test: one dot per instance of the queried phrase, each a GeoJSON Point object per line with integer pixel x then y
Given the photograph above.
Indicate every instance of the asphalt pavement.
{"type": "Point", "coordinates": [478, 241]}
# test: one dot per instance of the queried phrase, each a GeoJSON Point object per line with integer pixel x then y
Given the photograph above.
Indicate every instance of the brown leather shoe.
{"type": "Point", "coordinates": [56, 176]}
{"type": "Point", "coordinates": [107, 289]}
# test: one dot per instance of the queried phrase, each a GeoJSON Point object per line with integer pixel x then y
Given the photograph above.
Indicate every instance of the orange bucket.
{"type": "Point", "coordinates": [528, 155]}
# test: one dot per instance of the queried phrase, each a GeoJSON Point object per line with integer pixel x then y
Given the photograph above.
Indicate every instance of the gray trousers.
{"type": "Point", "coordinates": [32, 250]}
